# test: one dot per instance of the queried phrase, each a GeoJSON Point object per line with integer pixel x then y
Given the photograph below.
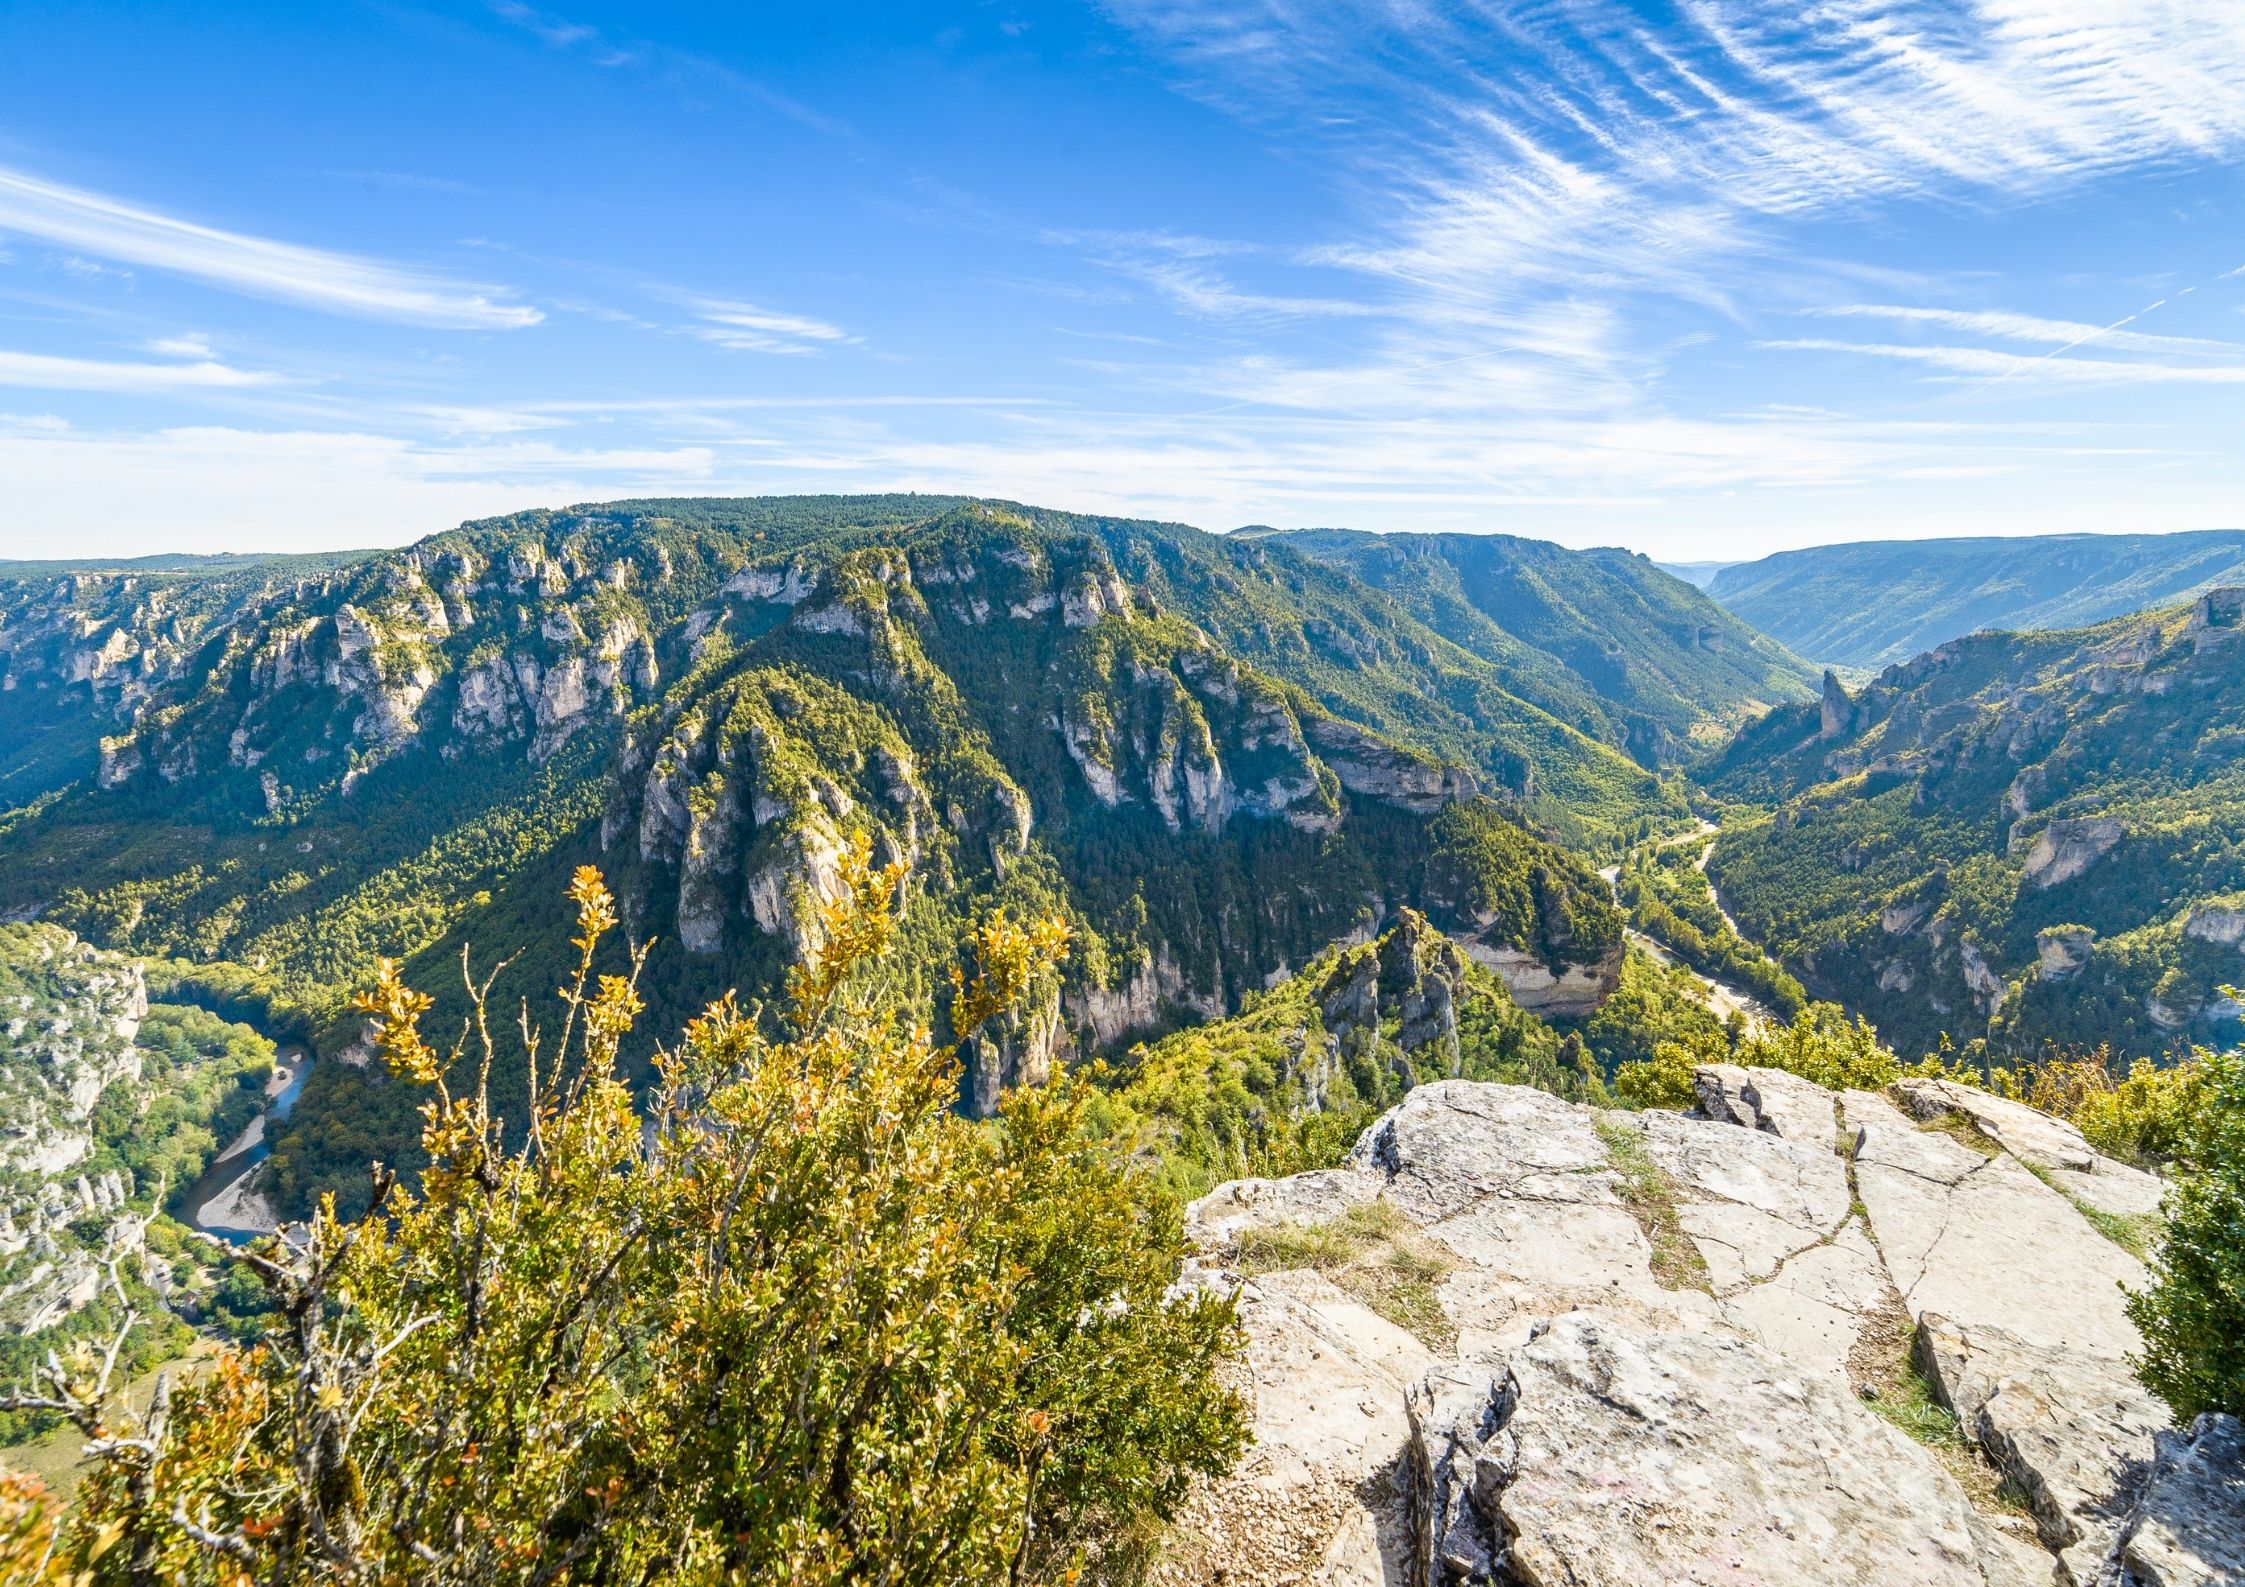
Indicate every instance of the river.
{"type": "Point", "coordinates": [221, 1202]}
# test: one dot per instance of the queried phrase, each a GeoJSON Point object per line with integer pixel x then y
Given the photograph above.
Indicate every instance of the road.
{"type": "Point", "coordinates": [1721, 997]}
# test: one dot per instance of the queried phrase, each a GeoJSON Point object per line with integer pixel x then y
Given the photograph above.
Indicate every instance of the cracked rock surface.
{"type": "Point", "coordinates": [1594, 1428]}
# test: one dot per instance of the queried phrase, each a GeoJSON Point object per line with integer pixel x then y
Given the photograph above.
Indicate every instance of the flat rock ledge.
{"type": "Point", "coordinates": [1658, 1335]}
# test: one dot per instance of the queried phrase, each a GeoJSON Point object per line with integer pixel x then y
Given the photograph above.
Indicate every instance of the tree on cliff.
{"type": "Point", "coordinates": [798, 1323]}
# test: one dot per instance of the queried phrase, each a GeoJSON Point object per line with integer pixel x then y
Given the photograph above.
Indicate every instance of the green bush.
{"type": "Point", "coordinates": [2193, 1315]}
{"type": "Point", "coordinates": [807, 1325]}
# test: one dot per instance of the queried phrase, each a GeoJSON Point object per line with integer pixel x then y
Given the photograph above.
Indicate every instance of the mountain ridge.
{"type": "Point", "coordinates": [1616, 645]}
{"type": "Point", "coordinates": [1866, 604]}
{"type": "Point", "coordinates": [2022, 838]}
{"type": "Point", "coordinates": [1214, 756]}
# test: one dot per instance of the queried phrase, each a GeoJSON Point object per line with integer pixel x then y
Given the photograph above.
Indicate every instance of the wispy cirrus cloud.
{"type": "Point", "coordinates": [1990, 364]}
{"type": "Point", "coordinates": [337, 283]}
{"type": "Point", "coordinates": [1524, 159]}
{"type": "Point", "coordinates": [2003, 325]}
{"type": "Point", "coordinates": [749, 328]}
{"type": "Point", "coordinates": [679, 69]}
{"type": "Point", "coordinates": [47, 373]}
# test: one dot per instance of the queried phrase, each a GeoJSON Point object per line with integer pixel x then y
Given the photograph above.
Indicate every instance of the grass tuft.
{"type": "Point", "coordinates": [1650, 1196]}
{"type": "Point", "coordinates": [1960, 1128]}
{"type": "Point", "coordinates": [1376, 1254]}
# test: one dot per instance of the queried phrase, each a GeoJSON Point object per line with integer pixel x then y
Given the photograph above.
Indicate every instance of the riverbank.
{"type": "Point", "coordinates": [226, 1202]}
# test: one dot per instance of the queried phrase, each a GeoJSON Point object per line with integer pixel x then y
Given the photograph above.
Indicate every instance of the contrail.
{"type": "Point", "coordinates": [2080, 341]}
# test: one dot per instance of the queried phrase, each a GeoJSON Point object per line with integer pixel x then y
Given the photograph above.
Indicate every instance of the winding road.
{"type": "Point", "coordinates": [1721, 997]}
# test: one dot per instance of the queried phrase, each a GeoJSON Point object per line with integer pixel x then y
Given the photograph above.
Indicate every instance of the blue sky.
{"type": "Point", "coordinates": [1705, 278]}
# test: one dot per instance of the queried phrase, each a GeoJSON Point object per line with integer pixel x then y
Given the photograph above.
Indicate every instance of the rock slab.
{"type": "Point", "coordinates": [1603, 1452]}
{"type": "Point", "coordinates": [2074, 1432]}
{"type": "Point", "coordinates": [1594, 1427]}
{"type": "Point", "coordinates": [2188, 1529]}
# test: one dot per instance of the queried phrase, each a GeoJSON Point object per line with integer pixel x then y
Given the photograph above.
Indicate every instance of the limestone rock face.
{"type": "Point", "coordinates": [436, 647]}
{"type": "Point", "coordinates": [2065, 849]}
{"type": "Point", "coordinates": [2074, 1431]}
{"type": "Point", "coordinates": [2050, 1145]}
{"type": "Point", "coordinates": [2216, 923]}
{"type": "Point", "coordinates": [2188, 1527]}
{"type": "Point", "coordinates": [1765, 1099]}
{"type": "Point", "coordinates": [1137, 1000]}
{"type": "Point", "coordinates": [2061, 951]}
{"type": "Point", "coordinates": [1368, 765]}
{"type": "Point", "coordinates": [1835, 710]}
{"type": "Point", "coordinates": [1981, 1240]}
{"type": "Point", "coordinates": [1540, 989]}
{"type": "Point", "coordinates": [1606, 1451]}
{"type": "Point", "coordinates": [69, 1014]}
{"type": "Point", "coordinates": [1321, 1496]}
{"type": "Point", "coordinates": [1619, 1398]}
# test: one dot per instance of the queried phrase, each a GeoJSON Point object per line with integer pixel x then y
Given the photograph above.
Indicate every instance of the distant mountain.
{"type": "Point", "coordinates": [1215, 756]}
{"type": "Point", "coordinates": [1697, 574]}
{"type": "Point", "coordinates": [1603, 639]}
{"type": "Point", "coordinates": [2027, 837]}
{"type": "Point", "coordinates": [1866, 605]}
{"type": "Point", "coordinates": [204, 564]}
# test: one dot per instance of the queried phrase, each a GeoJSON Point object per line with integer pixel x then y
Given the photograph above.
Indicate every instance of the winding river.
{"type": "Point", "coordinates": [221, 1202]}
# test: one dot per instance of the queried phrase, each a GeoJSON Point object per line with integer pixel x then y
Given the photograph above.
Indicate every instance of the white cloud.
{"type": "Point", "coordinates": [1202, 291]}
{"type": "Point", "coordinates": [1989, 364]}
{"type": "Point", "coordinates": [90, 374]}
{"type": "Point", "coordinates": [233, 489]}
{"type": "Point", "coordinates": [1518, 158]}
{"type": "Point", "coordinates": [2003, 325]}
{"type": "Point", "coordinates": [186, 346]}
{"type": "Point", "coordinates": [744, 327]}
{"type": "Point", "coordinates": [259, 267]}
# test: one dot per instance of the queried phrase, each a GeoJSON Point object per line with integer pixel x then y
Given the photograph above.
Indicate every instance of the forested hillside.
{"type": "Point", "coordinates": [1604, 639]}
{"type": "Point", "coordinates": [83, 644]}
{"type": "Point", "coordinates": [1213, 757]}
{"type": "Point", "coordinates": [1866, 605]}
{"type": "Point", "coordinates": [2029, 837]}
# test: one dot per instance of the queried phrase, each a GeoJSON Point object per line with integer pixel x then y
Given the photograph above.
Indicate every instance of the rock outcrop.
{"type": "Point", "coordinates": [2219, 923]}
{"type": "Point", "coordinates": [68, 1017]}
{"type": "Point", "coordinates": [1661, 1343]}
{"type": "Point", "coordinates": [2061, 951]}
{"type": "Point", "coordinates": [1604, 1450]}
{"type": "Point", "coordinates": [2189, 1524]}
{"type": "Point", "coordinates": [2065, 849]}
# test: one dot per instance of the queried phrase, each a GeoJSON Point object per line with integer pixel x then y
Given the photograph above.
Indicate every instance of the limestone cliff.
{"type": "Point", "coordinates": [68, 1016]}
{"type": "Point", "coordinates": [978, 707]}
{"type": "Point", "coordinates": [1607, 1350]}
{"type": "Point", "coordinates": [2010, 836]}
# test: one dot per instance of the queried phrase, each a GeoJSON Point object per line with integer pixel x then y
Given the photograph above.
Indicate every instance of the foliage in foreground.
{"type": "Point", "coordinates": [2145, 1115]}
{"type": "Point", "coordinates": [2192, 1316]}
{"type": "Point", "coordinates": [1823, 1045]}
{"type": "Point", "coordinates": [806, 1325]}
